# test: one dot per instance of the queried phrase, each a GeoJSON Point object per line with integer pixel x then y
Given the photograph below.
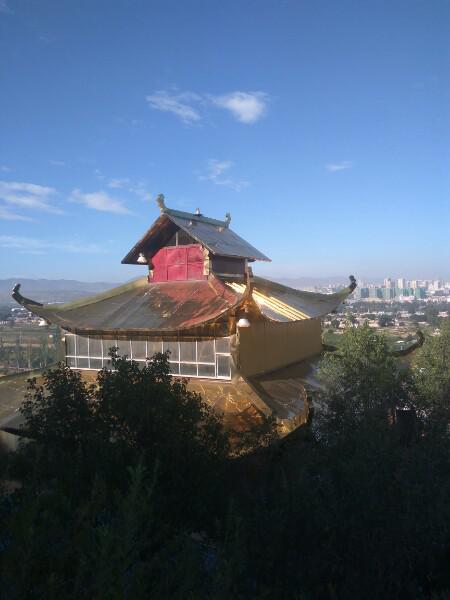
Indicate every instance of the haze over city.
{"type": "Point", "coordinates": [322, 128]}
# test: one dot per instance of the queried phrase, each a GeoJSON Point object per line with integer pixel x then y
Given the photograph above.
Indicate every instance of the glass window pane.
{"type": "Point", "coordinates": [173, 349]}
{"type": "Point", "coordinates": [95, 347]}
{"type": "Point", "coordinates": [174, 368]}
{"type": "Point", "coordinates": [187, 369]}
{"type": "Point", "coordinates": [82, 346]}
{"type": "Point", "coordinates": [107, 345]}
{"type": "Point", "coordinates": [139, 349]}
{"type": "Point", "coordinates": [206, 371]}
{"type": "Point", "coordinates": [124, 348]}
{"type": "Point", "coordinates": [96, 363]}
{"type": "Point", "coordinates": [205, 351]}
{"type": "Point", "coordinates": [70, 345]}
{"type": "Point", "coordinates": [83, 363]}
{"type": "Point", "coordinates": [223, 366]}
{"type": "Point", "coordinates": [223, 345]}
{"type": "Point", "coordinates": [71, 362]}
{"type": "Point", "coordinates": [187, 352]}
{"type": "Point", "coordinates": [153, 348]}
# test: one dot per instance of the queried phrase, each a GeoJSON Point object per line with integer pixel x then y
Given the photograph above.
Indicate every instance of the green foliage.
{"type": "Point", "coordinates": [128, 490]}
{"type": "Point", "coordinates": [432, 371]}
{"type": "Point", "coordinates": [360, 380]}
{"type": "Point", "coordinates": [384, 320]}
{"type": "Point", "coordinates": [130, 414]}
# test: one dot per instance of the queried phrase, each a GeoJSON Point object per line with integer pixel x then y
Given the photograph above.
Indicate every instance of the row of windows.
{"type": "Point", "coordinates": [210, 358]}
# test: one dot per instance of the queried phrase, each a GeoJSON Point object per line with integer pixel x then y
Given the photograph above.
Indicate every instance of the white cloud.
{"type": "Point", "coordinates": [138, 188]}
{"type": "Point", "coordinates": [341, 166]}
{"type": "Point", "coordinates": [26, 245]}
{"type": "Point", "coordinates": [4, 8]}
{"type": "Point", "coordinates": [178, 104]}
{"type": "Point", "coordinates": [28, 195]}
{"type": "Point", "coordinates": [140, 191]}
{"type": "Point", "coordinates": [7, 215]}
{"type": "Point", "coordinates": [101, 201]}
{"type": "Point", "coordinates": [118, 183]}
{"type": "Point", "coordinates": [246, 107]}
{"type": "Point", "coordinates": [57, 163]}
{"type": "Point", "coordinates": [216, 174]}
{"type": "Point", "coordinates": [5, 169]}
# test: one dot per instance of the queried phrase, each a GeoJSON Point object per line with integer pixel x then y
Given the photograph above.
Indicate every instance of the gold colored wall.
{"type": "Point", "coordinates": [266, 346]}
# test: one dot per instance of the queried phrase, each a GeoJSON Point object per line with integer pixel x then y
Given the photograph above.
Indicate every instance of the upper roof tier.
{"type": "Point", "coordinates": [213, 234]}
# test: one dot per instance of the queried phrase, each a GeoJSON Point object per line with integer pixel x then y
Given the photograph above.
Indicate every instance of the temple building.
{"type": "Point", "coordinates": [244, 342]}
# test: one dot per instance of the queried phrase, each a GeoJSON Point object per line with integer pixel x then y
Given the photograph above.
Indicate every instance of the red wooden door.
{"type": "Point", "coordinates": [178, 263]}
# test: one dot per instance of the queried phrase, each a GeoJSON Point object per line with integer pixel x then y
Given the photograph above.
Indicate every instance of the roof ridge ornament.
{"type": "Point", "coordinates": [227, 219]}
{"type": "Point", "coordinates": [161, 203]}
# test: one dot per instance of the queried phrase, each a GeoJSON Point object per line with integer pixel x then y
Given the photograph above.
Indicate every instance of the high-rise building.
{"type": "Point", "coordinates": [401, 283]}
{"type": "Point", "coordinates": [388, 283]}
{"type": "Point", "coordinates": [388, 293]}
{"type": "Point", "coordinates": [414, 283]}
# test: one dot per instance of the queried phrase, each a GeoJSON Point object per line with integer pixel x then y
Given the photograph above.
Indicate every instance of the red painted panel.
{"type": "Point", "coordinates": [176, 272]}
{"type": "Point", "coordinates": [195, 253]}
{"type": "Point", "coordinates": [178, 263]}
{"type": "Point", "coordinates": [195, 271]}
{"type": "Point", "coordinates": [176, 256]}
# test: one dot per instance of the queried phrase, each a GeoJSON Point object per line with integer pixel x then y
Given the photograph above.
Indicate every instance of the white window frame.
{"type": "Point", "coordinates": [104, 342]}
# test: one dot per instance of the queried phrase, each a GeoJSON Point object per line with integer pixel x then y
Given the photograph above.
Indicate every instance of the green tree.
{"type": "Point", "coordinates": [384, 320]}
{"type": "Point", "coordinates": [432, 370]}
{"type": "Point", "coordinates": [359, 380]}
{"type": "Point", "coordinates": [130, 414]}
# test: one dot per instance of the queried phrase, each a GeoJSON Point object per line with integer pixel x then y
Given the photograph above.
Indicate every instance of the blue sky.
{"type": "Point", "coordinates": [323, 127]}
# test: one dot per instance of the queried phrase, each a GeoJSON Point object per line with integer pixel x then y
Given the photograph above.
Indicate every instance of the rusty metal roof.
{"type": "Point", "coordinates": [215, 235]}
{"type": "Point", "coordinates": [281, 303]}
{"type": "Point", "coordinates": [141, 307]}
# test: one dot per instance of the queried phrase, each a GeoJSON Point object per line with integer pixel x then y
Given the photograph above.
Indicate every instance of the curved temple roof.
{"type": "Point", "coordinates": [143, 308]}
{"type": "Point", "coordinates": [215, 235]}
{"type": "Point", "coordinates": [140, 308]}
{"type": "Point", "coordinates": [281, 303]}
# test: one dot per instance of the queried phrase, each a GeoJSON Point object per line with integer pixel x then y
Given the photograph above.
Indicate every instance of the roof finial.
{"type": "Point", "coordinates": [160, 201]}
{"type": "Point", "coordinates": [197, 211]}
{"type": "Point", "coordinates": [227, 219]}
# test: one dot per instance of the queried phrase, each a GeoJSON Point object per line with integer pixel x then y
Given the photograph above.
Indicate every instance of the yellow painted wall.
{"type": "Point", "coordinates": [264, 347]}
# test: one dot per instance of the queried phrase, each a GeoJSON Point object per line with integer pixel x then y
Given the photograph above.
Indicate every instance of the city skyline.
{"type": "Point", "coordinates": [331, 159]}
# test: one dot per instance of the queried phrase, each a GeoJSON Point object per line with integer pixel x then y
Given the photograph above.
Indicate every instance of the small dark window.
{"type": "Point", "coordinates": [173, 240]}
{"type": "Point", "coordinates": [184, 238]}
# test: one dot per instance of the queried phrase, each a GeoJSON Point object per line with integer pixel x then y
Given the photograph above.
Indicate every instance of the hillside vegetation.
{"type": "Point", "coordinates": [134, 488]}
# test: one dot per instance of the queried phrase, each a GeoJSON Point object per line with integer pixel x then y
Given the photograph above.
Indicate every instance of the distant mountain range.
{"type": "Point", "coordinates": [65, 290]}
{"type": "Point", "coordinates": [301, 283]}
